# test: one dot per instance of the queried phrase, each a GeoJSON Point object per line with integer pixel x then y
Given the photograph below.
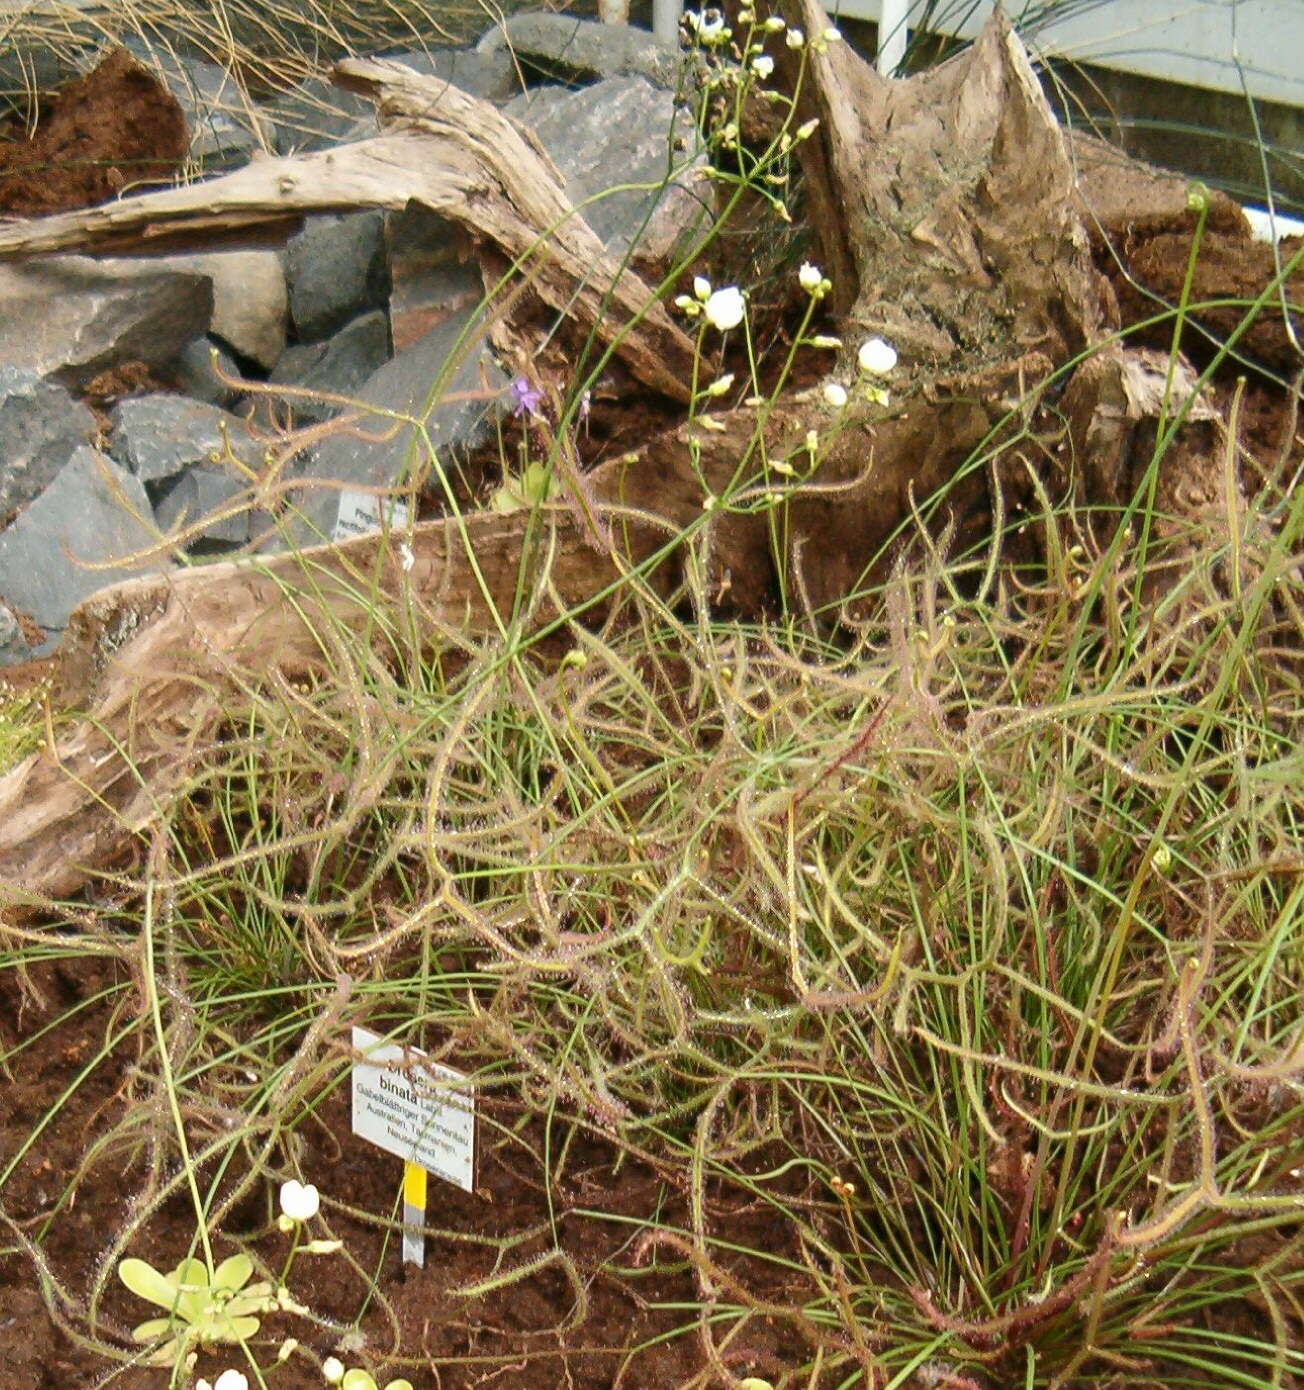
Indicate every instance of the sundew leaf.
{"type": "Point", "coordinates": [147, 1283]}
{"type": "Point", "coordinates": [234, 1273]}
{"type": "Point", "coordinates": [148, 1331]}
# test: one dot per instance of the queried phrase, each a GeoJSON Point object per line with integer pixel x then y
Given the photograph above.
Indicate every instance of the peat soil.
{"type": "Point", "coordinates": [621, 1322]}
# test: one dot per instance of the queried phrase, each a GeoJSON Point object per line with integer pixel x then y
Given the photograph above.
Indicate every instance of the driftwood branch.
{"type": "Point", "coordinates": [452, 153]}
{"type": "Point", "coordinates": [168, 654]}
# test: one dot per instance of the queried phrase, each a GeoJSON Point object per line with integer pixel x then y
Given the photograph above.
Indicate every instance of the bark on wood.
{"type": "Point", "coordinates": [447, 151]}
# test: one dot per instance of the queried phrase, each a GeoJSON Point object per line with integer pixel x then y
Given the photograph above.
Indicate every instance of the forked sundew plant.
{"type": "Point", "coordinates": [906, 992]}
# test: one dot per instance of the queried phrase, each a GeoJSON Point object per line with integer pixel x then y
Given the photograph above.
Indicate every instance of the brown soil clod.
{"type": "Point", "coordinates": [115, 128]}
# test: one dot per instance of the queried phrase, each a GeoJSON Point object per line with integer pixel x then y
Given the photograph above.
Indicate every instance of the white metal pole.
{"type": "Point", "coordinates": [893, 35]}
{"type": "Point", "coordinates": [665, 19]}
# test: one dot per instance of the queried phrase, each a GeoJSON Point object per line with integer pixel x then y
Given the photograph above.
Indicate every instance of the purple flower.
{"type": "Point", "coordinates": [528, 397]}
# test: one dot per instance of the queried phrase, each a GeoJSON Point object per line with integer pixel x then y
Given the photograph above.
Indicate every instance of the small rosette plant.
{"type": "Point", "coordinates": [204, 1307]}
{"type": "Point", "coordinates": [333, 1373]}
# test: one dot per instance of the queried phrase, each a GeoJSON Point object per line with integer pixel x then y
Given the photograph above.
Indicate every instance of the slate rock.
{"type": "Point", "coordinates": [13, 645]}
{"type": "Point", "coordinates": [40, 426]}
{"type": "Point", "coordinates": [72, 317]}
{"type": "Point", "coordinates": [622, 130]}
{"type": "Point", "coordinates": [335, 269]}
{"type": "Point", "coordinates": [491, 75]}
{"type": "Point", "coordinates": [201, 492]}
{"type": "Point", "coordinates": [433, 272]}
{"type": "Point", "coordinates": [223, 123]}
{"type": "Point", "coordinates": [405, 384]}
{"type": "Point", "coordinates": [159, 436]}
{"type": "Point", "coordinates": [93, 512]}
{"type": "Point", "coordinates": [580, 50]}
{"type": "Point", "coordinates": [250, 300]}
{"type": "Point", "coordinates": [314, 116]}
{"type": "Point", "coordinates": [342, 365]}
{"type": "Point", "coordinates": [192, 370]}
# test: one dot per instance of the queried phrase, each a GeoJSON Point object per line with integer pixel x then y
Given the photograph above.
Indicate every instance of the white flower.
{"type": "Point", "coordinates": [332, 1370]}
{"type": "Point", "coordinates": [299, 1201]}
{"type": "Point", "coordinates": [810, 277]}
{"type": "Point", "coordinates": [763, 65]}
{"type": "Point", "coordinates": [232, 1380]}
{"type": "Point", "coordinates": [877, 357]}
{"type": "Point", "coordinates": [835, 394]}
{"type": "Point", "coordinates": [832, 34]}
{"type": "Point", "coordinates": [708, 25]}
{"type": "Point", "coordinates": [725, 308]}
{"type": "Point", "coordinates": [795, 38]}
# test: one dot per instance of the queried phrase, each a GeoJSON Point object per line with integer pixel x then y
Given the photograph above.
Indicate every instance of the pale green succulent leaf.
{"type": "Point", "coordinates": [233, 1273]}
{"type": "Point", "coordinates": [242, 1329]}
{"type": "Point", "coordinates": [401, 1384]}
{"type": "Point", "coordinates": [168, 1354]}
{"type": "Point", "coordinates": [357, 1379]}
{"type": "Point", "coordinates": [147, 1283]}
{"type": "Point", "coordinates": [148, 1331]}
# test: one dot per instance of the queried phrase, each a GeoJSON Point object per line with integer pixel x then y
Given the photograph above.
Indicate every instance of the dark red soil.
{"type": "Point", "coordinates": [519, 1338]}
{"type": "Point", "coordinates": [114, 128]}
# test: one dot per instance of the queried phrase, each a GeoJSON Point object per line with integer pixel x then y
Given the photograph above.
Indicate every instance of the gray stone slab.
{"type": "Point", "coordinates": [491, 75]}
{"type": "Point", "coordinates": [406, 384]}
{"type": "Point", "coordinates": [159, 436]}
{"type": "Point", "coordinates": [250, 299]}
{"type": "Point", "coordinates": [335, 269]}
{"type": "Point", "coordinates": [314, 116]}
{"type": "Point", "coordinates": [341, 365]}
{"type": "Point", "coordinates": [93, 513]}
{"type": "Point", "coordinates": [193, 371]}
{"type": "Point", "coordinates": [13, 645]}
{"type": "Point", "coordinates": [224, 125]}
{"type": "Point", "coordinates": [580, 50]}
{"type": "Point", "coordinates": [71, 317]}
{"type": "Point", "coordinates": [201, 492]}
{"type": "Point", "coordinates": [433, 272]}
{"type": "Point", "coordinates": [622, 130]}
{"type": "Point", "coordinates": [40, 426]}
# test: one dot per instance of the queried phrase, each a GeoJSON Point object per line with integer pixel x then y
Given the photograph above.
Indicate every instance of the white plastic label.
{"type": "Point", "coordinates": [363, 512]}
{"type": "Point", "coordinates": [423, 1113]}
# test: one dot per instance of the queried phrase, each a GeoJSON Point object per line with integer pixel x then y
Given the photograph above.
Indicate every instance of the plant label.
{"type": "Point", "coordinates": [424, 1114]}
{"type": "Point", "coordinates": [363, 512]}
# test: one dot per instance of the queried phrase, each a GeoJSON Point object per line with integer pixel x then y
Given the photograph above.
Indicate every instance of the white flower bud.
{"type": "Point", "coordinates": [807, 129]}
{"type": "Point", "coordinates": [835, 394]}
{"type": "Point", "coordinates": [231, 1380]}
{"type": "Point", "coordinates": [810, 277]}
{"type": "Point", "coordinates": [701, 287]}
{"type": "Point", "coordinates": [763, 65]}
{"type": "Point", "coordinates": [720, 385]}
{"type": "Point", "coordinates": [795, 38]}
{"type": "Point", "coordinates": [332, 1370]}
